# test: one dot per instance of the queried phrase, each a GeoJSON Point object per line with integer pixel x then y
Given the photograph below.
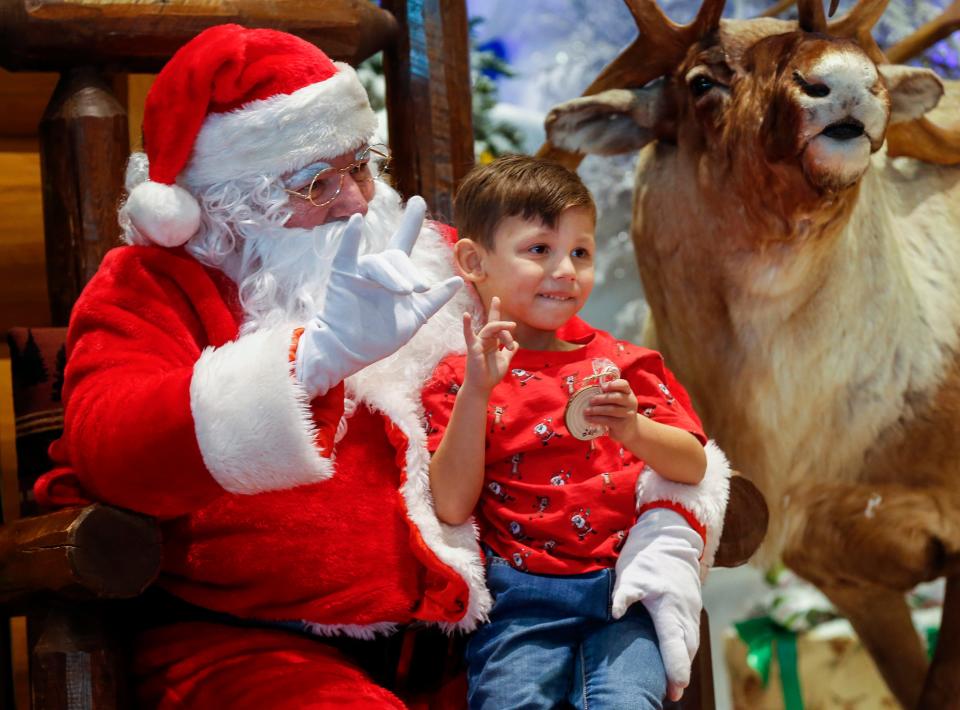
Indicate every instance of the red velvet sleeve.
{"type": "Point", "coordinates": [167, 406]}
{"type": "Point", "coordinates": [134, 337]}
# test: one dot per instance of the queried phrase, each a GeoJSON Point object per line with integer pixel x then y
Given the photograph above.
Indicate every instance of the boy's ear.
{"type": "Point", "coordinates": [469, 258]}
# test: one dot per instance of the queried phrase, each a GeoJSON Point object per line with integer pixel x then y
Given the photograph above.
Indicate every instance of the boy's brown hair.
{"type": "Point", "coordinates": [511, 186]}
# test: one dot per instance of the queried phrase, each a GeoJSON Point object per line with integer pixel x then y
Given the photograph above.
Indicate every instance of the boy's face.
{"type": "Point", "coordinates": [542, 275]}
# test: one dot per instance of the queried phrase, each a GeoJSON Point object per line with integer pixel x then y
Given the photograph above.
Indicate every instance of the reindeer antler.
{"type": "Point", "coordinates": [782, 5]}
{"type": "Point", "coordinates": [860, 20]}
{"type": "Point", "coordinates": [921, 138]}
{"type": "Point", "coordinates": [931, 33]}
{"type": "Point", "coordinates": [810, 16]}
{"type": "Point", "coordinates": [924, 140]}
{"type": "Point", "coordinates": [856, 23]}
{"type": "Point", "coordinates": [659, 47]}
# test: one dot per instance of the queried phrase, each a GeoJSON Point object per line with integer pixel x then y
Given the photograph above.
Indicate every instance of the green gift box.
{"type": "Point", "coordinates": [815, 665]}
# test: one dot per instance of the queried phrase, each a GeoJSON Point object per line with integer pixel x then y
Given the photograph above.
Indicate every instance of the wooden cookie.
{"type": "Point", "coordinates": [574, 417]}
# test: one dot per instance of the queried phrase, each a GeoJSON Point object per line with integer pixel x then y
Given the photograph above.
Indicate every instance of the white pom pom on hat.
{"type": "Point", "coordinates": [166, 215]}
{"type": "Point", "coordinates": [235, 102]}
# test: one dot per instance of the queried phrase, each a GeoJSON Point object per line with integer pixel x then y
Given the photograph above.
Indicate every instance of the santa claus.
{"type": "Point", "coordinates": [248, 370]}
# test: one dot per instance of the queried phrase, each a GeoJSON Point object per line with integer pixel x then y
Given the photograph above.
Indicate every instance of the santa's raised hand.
{"type": "Point", "coordinates": [374, 304]}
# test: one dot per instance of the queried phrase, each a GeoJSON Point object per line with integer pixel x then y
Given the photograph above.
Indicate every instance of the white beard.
{"type": "Point", "coordinates": [283, 273]}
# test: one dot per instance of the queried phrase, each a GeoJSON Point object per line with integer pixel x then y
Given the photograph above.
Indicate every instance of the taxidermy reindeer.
{"type": "Point", "coordinates": [805, 286]}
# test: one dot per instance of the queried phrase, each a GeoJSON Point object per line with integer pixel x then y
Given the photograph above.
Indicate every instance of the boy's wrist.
{"type": "Point", "coordinates": [633, 434]}
{"type": "Point", "coordinates": [474, 389]}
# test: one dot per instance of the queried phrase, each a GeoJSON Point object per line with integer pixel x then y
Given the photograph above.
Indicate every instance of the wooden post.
{"type": "Point", "coordinates": [77, 659]}
{"type": "Point", "coordinates": [700, 694]}
{"type": "Point", "coordinates": [429, 101]}
{"type": "Point", "coordinates": [84, 144]}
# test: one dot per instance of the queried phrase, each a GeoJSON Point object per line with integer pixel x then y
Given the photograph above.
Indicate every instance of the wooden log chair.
{"type": "Point", "coordinates": [64, 570]}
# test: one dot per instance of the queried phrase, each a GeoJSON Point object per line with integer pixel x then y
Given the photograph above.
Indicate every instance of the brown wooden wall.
{"type": "Point", "coordinates": [23, 281]}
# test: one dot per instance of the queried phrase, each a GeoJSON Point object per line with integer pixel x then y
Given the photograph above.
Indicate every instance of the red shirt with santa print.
{"type": "Point", "coordinates": [552, 503]}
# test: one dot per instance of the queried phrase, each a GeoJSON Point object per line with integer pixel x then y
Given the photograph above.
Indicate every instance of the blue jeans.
{"type": "Point", "coordinates": [551, 640]}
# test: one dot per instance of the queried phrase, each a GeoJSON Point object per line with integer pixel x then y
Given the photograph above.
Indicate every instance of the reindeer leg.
{"type": "Point", "coordinates": [942, 689]}
{"type": "Point", "coordinates": [865, 546]}
{"type": "Point", "coordinates": [882, 620]}
{"type": "Point", "coordinates": [859, 534]}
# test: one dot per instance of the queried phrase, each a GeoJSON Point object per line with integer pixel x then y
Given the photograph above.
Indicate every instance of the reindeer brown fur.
{"type": "Point", "coordinates": [805, 287]}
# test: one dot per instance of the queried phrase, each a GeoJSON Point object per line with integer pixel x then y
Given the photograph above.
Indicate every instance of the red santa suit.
{"type": "Point", "coordinates": [170, 413]}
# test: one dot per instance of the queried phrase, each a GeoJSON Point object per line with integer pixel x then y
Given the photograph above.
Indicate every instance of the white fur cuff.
{"type": "Point", "coordinates": [253, 420]}
{"type": "Point", "coordinates": [707, 502]}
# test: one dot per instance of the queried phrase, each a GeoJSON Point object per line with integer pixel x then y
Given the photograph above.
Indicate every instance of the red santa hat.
{"type": "Point", "coordinates": [235, 102]}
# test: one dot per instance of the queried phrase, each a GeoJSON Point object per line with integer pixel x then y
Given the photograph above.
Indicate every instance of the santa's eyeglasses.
{"type": "Point", "coordinates": [325, 186]}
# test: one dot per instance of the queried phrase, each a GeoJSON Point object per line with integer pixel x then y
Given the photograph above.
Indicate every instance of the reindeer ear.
{"type": "Point", "coordinates": [913, 91]}
{"type": "Point", "coordinates": [611, 122]}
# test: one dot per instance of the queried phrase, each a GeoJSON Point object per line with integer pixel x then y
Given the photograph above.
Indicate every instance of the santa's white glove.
{"type": "Point", "coordinates": [659, 566]}
{"type": "Point", "coordinates": [374, 304]}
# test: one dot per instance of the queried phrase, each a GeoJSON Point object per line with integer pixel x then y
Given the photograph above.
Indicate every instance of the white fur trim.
{"type": "Point", "coordinates": [284, 132]}
{"type": "Point", "coordinates": [253, 420]}
{"type": "Point", "coordinates": [706, 501]}
{"type": "Point", "coordinates": [166, 215]}
{"type": "Point", "coordinates": [138, 170]}
{"type": "Point", "coordinates": [393, 387]}
{"type": "Point", "coordinates": [383, 628]}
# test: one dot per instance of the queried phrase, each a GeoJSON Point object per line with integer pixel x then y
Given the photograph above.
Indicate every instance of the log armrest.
{"type": "Point", "coordinates": [101, 552]}
{"type": "Point", "coordinates": [96, 552]}
{"type": "Point", "coordinates": [744, 524]}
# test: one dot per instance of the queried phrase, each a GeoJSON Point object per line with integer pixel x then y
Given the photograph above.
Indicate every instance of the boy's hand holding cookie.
{"type": "Point", "coordinates": [616, 409]}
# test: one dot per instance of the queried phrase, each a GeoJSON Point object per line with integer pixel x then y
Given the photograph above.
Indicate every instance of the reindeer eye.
{"type": "Point", "coordinates": [701, 84]}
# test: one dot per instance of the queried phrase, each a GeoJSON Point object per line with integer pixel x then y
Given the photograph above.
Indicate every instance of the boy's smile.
{"type": "Point", "coordinates": [543, 275]}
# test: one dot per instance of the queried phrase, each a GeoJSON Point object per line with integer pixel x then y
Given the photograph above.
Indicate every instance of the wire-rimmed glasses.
{"type": "Point", "coordinates": [326, 185]}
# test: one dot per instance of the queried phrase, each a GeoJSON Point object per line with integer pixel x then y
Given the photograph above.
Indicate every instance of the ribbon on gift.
{"type": "Point", "coordinates": [932, 633]}
{"type": "Point", "coordinates": [762, 635]}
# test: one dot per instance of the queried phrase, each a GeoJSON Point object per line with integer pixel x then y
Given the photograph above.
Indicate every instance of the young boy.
{"type": "Point", "coordinates": [554, 493]}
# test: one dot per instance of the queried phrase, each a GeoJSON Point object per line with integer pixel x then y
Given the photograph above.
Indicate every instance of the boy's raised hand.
{"type": "Point", "coordinates": [616, 409]}
{"type": "Point", "coordinates": [488, 363]}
